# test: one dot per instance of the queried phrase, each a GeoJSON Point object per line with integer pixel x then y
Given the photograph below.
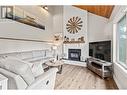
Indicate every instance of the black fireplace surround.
{"type": "Point", "coordinates": [74, 54]}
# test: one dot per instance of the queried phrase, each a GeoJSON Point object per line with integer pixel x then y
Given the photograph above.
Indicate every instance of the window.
{"type": "Point", "coordinates": [121, 42]}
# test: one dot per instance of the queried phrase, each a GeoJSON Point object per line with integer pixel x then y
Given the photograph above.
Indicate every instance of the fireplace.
{"type": "Point", "coordinates": [74, 54]}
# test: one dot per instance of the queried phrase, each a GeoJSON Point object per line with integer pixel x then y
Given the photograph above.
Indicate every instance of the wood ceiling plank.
{"type": "Point", "coordinates": [101, 10]}
{"type": "Point", "coordinates": [109, 11]}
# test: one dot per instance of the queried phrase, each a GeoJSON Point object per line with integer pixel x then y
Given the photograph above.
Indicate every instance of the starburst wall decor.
{"type": "Point", "coordinates": [74, 25]}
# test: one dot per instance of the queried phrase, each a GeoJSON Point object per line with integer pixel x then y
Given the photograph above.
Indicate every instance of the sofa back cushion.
{"type": "Point", "coordinates": [14, 54]}
{"type": "Point", "coordinates": [26, 55]}
{"type": "Point", "coordinates": [19, 67]}
{"type": "Point", "coordinates": [37, 54]}
{"type": "Point", "coordinates": [49, 53]}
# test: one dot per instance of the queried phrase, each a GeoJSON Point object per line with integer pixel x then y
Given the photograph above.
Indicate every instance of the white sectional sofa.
{"type": "Point", "coordinates": [35, 56]}
{"type": "Point", "coordinates": [23, 67]}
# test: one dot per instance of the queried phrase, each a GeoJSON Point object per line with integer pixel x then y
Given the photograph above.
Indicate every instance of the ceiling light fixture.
{"type": "Point", "coordinates": [44, 7]}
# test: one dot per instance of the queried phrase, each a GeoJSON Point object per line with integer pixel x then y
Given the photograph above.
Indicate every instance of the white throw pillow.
{"type": "Point", "coordinates": [37, 69]}
{"type": "Point", "coordinates": [18, 67]}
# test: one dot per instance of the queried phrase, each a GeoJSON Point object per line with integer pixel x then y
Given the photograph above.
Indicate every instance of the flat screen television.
{"type": "Point", "coordinates": [100, 50]}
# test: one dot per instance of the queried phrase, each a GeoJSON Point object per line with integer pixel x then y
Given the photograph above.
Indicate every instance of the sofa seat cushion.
{"type": "Point", "coordinates": [19, 67]}
{"type": "Point", "coordinates": [36, 67]}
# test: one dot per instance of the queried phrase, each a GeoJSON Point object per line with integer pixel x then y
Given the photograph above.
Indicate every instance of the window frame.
{"type": "Point", "coordinates": [117, 43]}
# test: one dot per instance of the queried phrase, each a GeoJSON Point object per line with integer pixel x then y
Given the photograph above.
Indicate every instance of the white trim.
{"type": "Point", "coordinates": [115, 77]}
{"type": "Point", "coordinates": [63, 2]}
{"type": "Point", "coordinates": [117, 82]}
{"type": "Point", "coordinates": [122, 64]}
{"type": "Point", "coordinates": [119, 14]}
{"type": "Point", "coordinates": [121, 67]}
{"type": "Point", "coordinates": [126, 40]}
{"type": "Point", "coordinates": [117, 41]}
{"type": "Point", "coordinates": [77, 63]}
{"type": "Point", "coordinates": [114, 42]}
{"type": "Point", "coordinates": [118, 69]}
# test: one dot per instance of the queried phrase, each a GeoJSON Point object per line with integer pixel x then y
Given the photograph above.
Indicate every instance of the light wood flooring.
{"type": "Point", "coordinates": [76, 77]}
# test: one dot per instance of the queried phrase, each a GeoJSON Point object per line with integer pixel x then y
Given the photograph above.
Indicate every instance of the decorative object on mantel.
{"type": "Point", "coordinates": [65, 38]}
{"type": "Point", "coordinates": [74, 25]}
{"type": "Point", "coordinates": [81, 39]}
{"type": "Point", "coordinates": [73, 40]}
{"type": "Point", "coordinates": [9, 12]}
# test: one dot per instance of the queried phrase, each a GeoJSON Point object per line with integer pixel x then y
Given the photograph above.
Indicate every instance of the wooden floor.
{"type": "Point", "coordinates": [76, 77]}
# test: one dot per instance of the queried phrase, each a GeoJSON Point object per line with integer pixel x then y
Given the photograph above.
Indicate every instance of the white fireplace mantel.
{"type": "Point", "coordinates": [82, 46]}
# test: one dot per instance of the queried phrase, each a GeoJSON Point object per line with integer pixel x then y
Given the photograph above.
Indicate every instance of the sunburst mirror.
{"type": "Point", "coordinates": [74, 25]}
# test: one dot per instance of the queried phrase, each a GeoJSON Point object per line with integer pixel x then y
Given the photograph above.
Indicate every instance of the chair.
{"type": "Point", "coordinates": [20, 75]}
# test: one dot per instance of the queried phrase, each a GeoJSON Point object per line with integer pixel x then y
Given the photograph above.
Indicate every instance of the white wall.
{"type": "Point", "coordinates": [12, 29]}
{"type": "Point", "coordinates": [58, 19]}
{"type": "Point", "coordinates": [120, 73]}
{"type": "Point", "coordinates": [69, 12]}
{"type": "Point", "coordinates": [58, 24]}
{"type": "Point", "coordinates": [99, 29]}
{"type": "Point", "coordinates": [8, 46]}
{"type": "Point", "coordinates": [104, 31]}
{"type": "Point", "coordinates": [19, 30]}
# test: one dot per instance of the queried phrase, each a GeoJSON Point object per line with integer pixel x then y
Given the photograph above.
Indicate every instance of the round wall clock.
{"type": "Point", "coordinates": [74, 25]}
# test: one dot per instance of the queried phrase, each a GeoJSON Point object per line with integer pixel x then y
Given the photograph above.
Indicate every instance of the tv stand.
{"type": "Point", "coordinates": [100, 67]}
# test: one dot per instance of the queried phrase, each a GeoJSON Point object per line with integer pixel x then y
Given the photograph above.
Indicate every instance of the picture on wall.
{"type": "Point", "coordinates": [8, 12]}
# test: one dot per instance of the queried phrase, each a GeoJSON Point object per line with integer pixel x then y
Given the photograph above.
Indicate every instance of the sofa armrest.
{"type": "Point", "coordinates": [14, 80]}
{"type": "Point", "coordinates": [45, 81]}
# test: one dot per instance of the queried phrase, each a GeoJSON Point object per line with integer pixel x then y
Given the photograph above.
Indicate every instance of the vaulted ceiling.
{"type": "Point", "coordinates": [101, 10]}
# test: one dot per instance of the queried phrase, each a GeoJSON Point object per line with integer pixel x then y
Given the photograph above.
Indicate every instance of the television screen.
{"type": "Point", "coordinates": [100, 50]}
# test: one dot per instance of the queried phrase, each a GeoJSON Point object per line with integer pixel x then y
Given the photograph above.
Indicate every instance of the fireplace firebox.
{"type": "Point", "coordinates": [74, 54]}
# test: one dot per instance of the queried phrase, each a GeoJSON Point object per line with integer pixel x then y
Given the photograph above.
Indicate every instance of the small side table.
{"type": "Point", "coordinates": [57, 64]}
{"type": "Point", "coordinates": [3, 82]}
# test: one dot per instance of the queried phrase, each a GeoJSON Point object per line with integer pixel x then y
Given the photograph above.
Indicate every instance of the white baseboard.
{"type": "Point", "coordinates": [120, 76]}
{"type": "Point", "coordinates": [117, 82]}
{"type": "Point", "coordinates": [77, 63]}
